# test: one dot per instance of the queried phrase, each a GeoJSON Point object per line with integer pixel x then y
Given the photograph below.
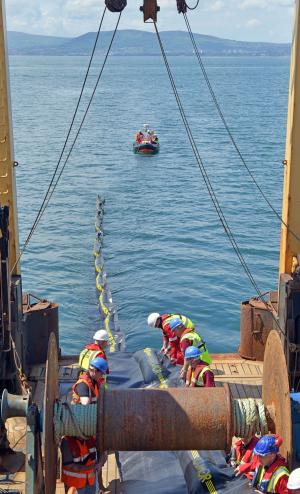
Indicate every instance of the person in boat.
{"type": "Point", "coordinates": [146, 132]}
{"type": "Point", "coordinates": [94, 350]}
{"type": "Point", "coordinates": [139, 137]}
{"type": "Point", "coordinates": [241, 455]}
{"type": "Point", "coordinates": [271, 472]}
{"type": "Point", "coordinates": [151, 134]}
{"type": "Point", "coordinates": [171, 343]}
{"type": "Point", "coordinates": [198, 373]}
{"type": "Point", "coordinates": [154, 138]}
{"type": "Point", "coordinates": [294, 482]}
{"type": "Point", "coordinates": [188, 337]}
{"type": "Point", "coordinates": [79, 456]}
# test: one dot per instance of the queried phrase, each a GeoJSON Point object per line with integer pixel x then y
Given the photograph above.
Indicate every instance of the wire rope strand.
{"type": "Point", "coordinates": [84, 116]}
{"type": "Point", "coordinates": [49, 192]}
{"type": "Point", "coordinates": [67, 136]}
{"type": "Point", "coordinates": [36, 221]}
{"type": "Point", "coordinates": [210, 188]}
{"type": "Point", "coordinates": [221, 114]}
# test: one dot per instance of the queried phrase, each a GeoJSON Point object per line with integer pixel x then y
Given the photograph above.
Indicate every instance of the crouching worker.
{"type": "Point", "coordinates": [198, 373]}
{"type": "Point", "coordinates": [271, 473]}
{"type": "Point", "coordinates": [79, 456]}
{"type": "Point", "coordinates": [241, 455]}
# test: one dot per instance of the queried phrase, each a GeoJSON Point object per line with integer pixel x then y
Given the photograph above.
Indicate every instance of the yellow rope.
{"type": "Point", "coordinates": [100, 282]}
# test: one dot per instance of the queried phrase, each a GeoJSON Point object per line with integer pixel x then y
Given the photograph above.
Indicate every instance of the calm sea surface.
{"type": "Point", "coordinates": [164, 247]}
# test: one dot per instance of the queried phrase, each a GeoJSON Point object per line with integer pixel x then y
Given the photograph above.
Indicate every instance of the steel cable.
{"type": "Point", "coordinates": [210, 188]}
{"type": "Point", "coordinates": [50, 191]}
{"type": "Point", "coordinates": [84, 116]}
{"type": "Point", "coordinates": [213, 95]}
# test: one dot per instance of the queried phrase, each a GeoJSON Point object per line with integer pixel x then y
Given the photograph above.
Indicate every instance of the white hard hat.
{"type": "Point", "coordinates": [294, 479]}
{"type": "Point", "coordinates": [101, 335]}
{"type": "Point", "coordinates": [152, 318]}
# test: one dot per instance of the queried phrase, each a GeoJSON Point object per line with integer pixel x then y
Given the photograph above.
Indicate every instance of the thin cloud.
{"type": "Point", "coordinates": [253, 23]}
{"type": "Point", "coordinates": [217, 6]}
{"type": "Point", "coordinates": [264, 4]}
{"type": "Point", "coordinates": [76, 17]}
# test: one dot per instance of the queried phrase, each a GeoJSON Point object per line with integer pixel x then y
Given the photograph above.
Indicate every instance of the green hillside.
{"type": "Point", "coordinates": [134, 42]}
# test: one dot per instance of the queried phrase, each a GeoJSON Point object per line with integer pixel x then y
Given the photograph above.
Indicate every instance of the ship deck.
{"type": "Point", "coordinates": [244, 378]}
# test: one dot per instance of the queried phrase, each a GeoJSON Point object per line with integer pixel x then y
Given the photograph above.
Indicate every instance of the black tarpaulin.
{"type": "Point", "coordinates": [159, 472]}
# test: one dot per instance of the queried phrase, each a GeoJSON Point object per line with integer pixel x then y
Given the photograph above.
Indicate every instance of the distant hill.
{"type": "Point", "coordinates": [31, 44]}
{"type": "Point", "coordinates": [134, 42]}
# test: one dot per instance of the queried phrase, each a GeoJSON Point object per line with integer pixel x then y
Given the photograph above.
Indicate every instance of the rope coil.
{"type": "Point", "coordinates": [74, 420]}
{"type": "Point", "coordinates": [249, 417]}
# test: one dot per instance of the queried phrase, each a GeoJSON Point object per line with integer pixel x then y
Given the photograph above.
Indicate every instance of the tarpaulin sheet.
{"type": "Point", "coordinates": [151, 472]}
{"type": "Point", "coordinates": [159, 472]}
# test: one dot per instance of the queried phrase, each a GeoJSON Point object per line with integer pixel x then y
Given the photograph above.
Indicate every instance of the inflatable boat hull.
{"type": "Point", "coordinates": [146, 148]}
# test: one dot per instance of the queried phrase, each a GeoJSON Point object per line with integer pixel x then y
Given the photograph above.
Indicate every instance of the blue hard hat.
{"type": "Point", "coordinates": [174, 323]}
{"type": "Point", "coordinates": [267, 445]}
{"type": "Point", "coordinates": [100, 364]}
{"type": "Point", "coordinates": [192, 352]}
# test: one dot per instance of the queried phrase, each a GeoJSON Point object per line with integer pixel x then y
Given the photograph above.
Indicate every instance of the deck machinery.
{"type": "Point", "coordinates": [270, 331]}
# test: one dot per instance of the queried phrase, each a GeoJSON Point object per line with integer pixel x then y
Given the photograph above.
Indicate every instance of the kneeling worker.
{"type": "Point", "coordinates": [188, 337]}
{"type": "Point", "coordinates": [198, 373]}
{"type": "Point", "coordinates": [242, 454]}
{"type": "Point", "coordinates": [79, 456]}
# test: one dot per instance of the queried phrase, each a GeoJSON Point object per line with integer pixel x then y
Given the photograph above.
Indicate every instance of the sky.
{"type": "Point", "coordinates": [244, 20]}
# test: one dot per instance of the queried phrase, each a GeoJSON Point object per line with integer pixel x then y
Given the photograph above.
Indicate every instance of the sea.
{"type": "Point", "coordinates": [164, 247]}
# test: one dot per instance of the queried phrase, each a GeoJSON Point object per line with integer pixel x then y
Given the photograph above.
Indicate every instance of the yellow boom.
{"type": "Point", "coordinates": [289, 245]}
{"type": "Point", "coordinates": [7, 163]}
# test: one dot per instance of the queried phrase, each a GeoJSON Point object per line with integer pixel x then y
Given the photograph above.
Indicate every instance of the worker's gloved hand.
{"type": "Point", "coordinates": [163, 350]}
{"type": "Point", "coordinates": [237, 471]}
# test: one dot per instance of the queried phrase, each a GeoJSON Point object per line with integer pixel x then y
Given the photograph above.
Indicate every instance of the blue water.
{"type": "Point", "coordinates": [164, 247]}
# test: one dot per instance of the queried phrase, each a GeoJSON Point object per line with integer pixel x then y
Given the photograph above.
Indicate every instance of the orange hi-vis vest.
{"type": "Point", "coordinates": [81, 471]}
{"type": "Point", "coordinates": [93, 389]}
{"type": "Point", "coordinates": [195, 376]}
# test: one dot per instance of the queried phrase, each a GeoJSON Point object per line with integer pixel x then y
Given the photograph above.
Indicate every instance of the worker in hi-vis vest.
{"type": "Point", "coordinates": [79, 455]}
{"type": "Point", "coordinates": [94, 350]}
{"type": "Point", "coordinates": [171, 343]}
{"type": "Point", "coordinates": [199, 373]}
{"type": "Point", "coordinates": [188, 337]}
{"type": "Point", "coordinates": [271, 473]}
